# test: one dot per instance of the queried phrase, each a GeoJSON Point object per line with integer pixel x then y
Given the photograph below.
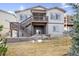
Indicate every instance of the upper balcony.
{"type": "Point", "coordinates": [35, 19]}
{"type": "Point", "coordinates": [68, 22]}
{"type": "Point", "coordinates": [39, 19]}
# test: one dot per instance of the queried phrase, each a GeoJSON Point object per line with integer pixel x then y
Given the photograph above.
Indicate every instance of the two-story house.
{"type": "Point", "coordinates": [68, 23]}
{"type": "Point", "coordinates": [5, 19]}
{"type": "Point", "coordinates": [39, 20]}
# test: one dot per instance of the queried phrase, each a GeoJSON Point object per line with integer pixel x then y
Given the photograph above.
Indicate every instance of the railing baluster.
{"type": "Point", "coordinates": [34, 18]}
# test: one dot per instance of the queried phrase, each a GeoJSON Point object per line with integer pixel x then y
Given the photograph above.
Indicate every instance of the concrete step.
{"type": "Point", "coordinates": [20, 39]}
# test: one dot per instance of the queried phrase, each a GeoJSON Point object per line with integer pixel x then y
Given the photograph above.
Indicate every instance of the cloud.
{"type": "Point", "coordinates": [65, 5]}
{"type": "Point", "coordinates": [70, 13]}
{"type": "Point", "coordinates": [21, 7]}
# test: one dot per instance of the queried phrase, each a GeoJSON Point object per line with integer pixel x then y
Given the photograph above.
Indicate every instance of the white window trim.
{"type": "Point", "coordinates": [53, 16]}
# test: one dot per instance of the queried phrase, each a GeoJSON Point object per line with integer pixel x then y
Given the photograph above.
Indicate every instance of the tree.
{"type": "Point", "coordinates": [74, 50]}
{"type": "Point", "coordinates": [3, 48]}
{"type": "Point", "coordinates": [1, 28]}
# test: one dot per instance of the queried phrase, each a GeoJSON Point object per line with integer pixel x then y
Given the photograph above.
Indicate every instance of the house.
{"type": "Point", "coordinates": [38, 20]}
{"type": "Point", "coordinates": [5, 19]}
{"type": "Point", "coordinates": [68, 23]}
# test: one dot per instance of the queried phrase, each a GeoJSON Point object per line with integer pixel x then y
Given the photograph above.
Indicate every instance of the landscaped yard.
{"type": "Point", "coordinates": [56, 46]}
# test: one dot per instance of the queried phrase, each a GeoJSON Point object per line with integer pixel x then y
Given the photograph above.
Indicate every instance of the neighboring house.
{"type": "Point", "coordinates": [38, 20]}
{"type": "Point", "coordinates": [68, 23]}
{"type": "Point", "coordinates": [5, 19]}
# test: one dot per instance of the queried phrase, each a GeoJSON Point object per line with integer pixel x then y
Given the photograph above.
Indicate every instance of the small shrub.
{"type": "Point", "coordinates": [3, 47]}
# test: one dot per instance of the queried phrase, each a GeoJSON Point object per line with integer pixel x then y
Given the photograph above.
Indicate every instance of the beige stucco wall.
{"type": "Point", "coordinates": [26, 12]}
{"type": "Point", "coordinates": [55, 11]}
{"type": "Point", "coordinates": [59, 23]}
{"type": "Point", "coordinates": [60, 29]}
{"type": "Point", "coordinates": [5, 19]}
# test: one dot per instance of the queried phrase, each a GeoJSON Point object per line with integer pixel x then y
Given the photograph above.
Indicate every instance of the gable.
{"type": "Point", "coordinates": [59, 9]}
{"type": "Point", "coordinates": [33, 8]}
{"type": "Point", "coordinates": [39, 8]}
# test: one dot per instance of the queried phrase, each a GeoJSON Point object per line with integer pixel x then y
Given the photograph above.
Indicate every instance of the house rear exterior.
{"type": "Point", "coordinates": [38, 20]}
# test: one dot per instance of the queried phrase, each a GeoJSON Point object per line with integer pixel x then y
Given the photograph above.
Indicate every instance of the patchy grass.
{"type": "Point", "coordinates": [59, 46]}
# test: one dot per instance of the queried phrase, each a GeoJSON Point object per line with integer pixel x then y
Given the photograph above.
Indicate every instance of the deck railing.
{"type": "Point", "coordinates": [34, 19]}
{"type": "Point", "coordinates": [40, 18]}
{"type": "Point", "coordinates": [69, 22]}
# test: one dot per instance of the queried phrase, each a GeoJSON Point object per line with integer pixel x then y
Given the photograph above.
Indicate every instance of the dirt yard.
{"type": "Point", "coordinates": [54, 47]}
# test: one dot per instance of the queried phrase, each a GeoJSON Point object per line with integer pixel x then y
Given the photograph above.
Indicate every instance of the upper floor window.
{"type": "Point", "coordinates": [55, 16]}
{"type": "Point", "coordinates": [23, 16]}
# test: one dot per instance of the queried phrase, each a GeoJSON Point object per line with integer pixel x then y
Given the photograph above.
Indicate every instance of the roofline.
{"type": "Point", "coordinates": [21, 10]}
{"type": "Point", "coordinates": [39, 6]}
{"type": "Point", "coordinates": [30, 8]}
{"type": "Point", "coordinates": [7, 12]}
{"type": "Point", "coordinates": [57, 8]}
{"type": "Point", "coordinates": [42, 7]}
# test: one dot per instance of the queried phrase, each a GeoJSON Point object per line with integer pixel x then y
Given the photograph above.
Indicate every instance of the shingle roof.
{"type": "Point", "coordinates": [7, 12]}
{"type": "Point", "coordinates": [41, 7]}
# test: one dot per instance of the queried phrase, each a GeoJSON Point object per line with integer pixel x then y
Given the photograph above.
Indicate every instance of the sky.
{"type": "Point", "coordinates": [21, 6]}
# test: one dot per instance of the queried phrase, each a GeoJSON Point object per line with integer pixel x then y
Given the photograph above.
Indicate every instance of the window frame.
{"type": "Point", "coordinates": [55, 28]}
{"type": "Point", "coordinates": [55, 16]}
{"type": "Point", "coordinates": [23, 16]}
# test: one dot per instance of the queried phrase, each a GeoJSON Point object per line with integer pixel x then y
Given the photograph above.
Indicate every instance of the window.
{"type": "Point", "coordinates": [55, 16]}
{"type": "Point", "coordinates": [23, 16]}
{"type": "Point", "coordinates": [55, 28]}
{"type": "Point", "coordinates": [52, 16]}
